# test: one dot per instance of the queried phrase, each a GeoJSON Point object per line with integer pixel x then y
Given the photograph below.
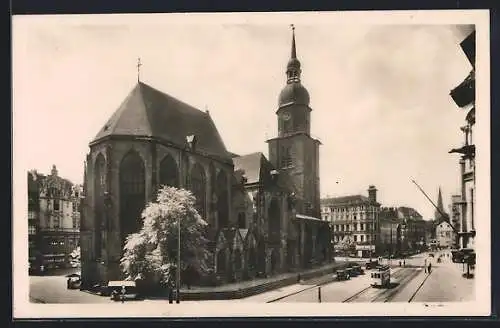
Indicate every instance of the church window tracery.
{"type": "Point", "coordinates": [132, 193]}
{"type": "Point", "coordinates": [198, 188]}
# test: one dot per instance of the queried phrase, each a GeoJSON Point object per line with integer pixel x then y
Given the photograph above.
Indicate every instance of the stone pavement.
{"type": "Point", "coordinates": [446, 284]}
{"type": "Point", "coordinates": [275, 294]}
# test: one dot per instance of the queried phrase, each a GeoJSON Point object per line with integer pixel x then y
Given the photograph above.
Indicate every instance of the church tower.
{"type": "Point", "coordinates": [294, 152]}
{"type": "Point", "coordinates": [438, 214]}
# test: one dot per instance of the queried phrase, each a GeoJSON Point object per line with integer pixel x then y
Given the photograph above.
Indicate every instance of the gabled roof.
{"type": "Point", "coordinates": [250, 165]}
{"type": "Point", "coordinates": [147, 112]}
{"type": "Point", "coordinates": [345, 200]}
{"type": "Point", "coordinates": [409, 213]}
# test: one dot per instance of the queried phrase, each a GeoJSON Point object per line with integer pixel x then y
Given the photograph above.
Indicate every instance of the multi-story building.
{"type": "Point", "coordinates": [412, 229]}
{"type": "Point", "coordinates": [54, 206]}
{"type": "Point", "coordinates": [446, 235]}
{"type": "Point", "coordinates": [456, 213]}
{"type": "Point", "coordinates": [389, 240]}
{"type": "Point", "coordinates": [353, 220]}
{"type": "Point", "coordinates": [402, 230]}
{"type": "Point", "coordinates": [464, 97]}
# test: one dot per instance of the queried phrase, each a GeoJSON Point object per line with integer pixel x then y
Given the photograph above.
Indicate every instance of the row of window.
{"type": "Point", "coordinates": [348, 216]}
{"type": "Point", "coordinates": [356, 238]}
{"type": "Point", "coordinates": [55, 204]}
{"type": "Point", "coordinates": [344, 209]}
{"type": "Point", "coordinates": [347, 227]}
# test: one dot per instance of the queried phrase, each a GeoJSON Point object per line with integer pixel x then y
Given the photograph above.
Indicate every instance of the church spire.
{"type": "Point", "coordinates": [293, 68]}
{"type": "Point", "coordinates": [294, 50]}
{"type": "Point", "coordinates": [440, 206]}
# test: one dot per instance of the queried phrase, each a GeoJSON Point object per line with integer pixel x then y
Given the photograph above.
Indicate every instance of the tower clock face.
{"type": "Point", "coordinates": [286, 116]}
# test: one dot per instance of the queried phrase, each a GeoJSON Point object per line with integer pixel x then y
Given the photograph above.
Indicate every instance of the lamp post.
{"type": "Point", "coordinates": [178, 271]}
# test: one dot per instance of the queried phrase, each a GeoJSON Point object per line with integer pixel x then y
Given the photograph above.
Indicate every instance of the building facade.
{"type": "Point", "coordinates": [412, 229]}
{"type": "Point", "coordinates": [446, 236]}
{"type": "Point", "coordinates": [54, 206]}
{"type": "Point", "coordinates": [402, 231]}
{"type": "Point", "coordinates": [456, 212]}
{"type": "Point", "coordinates": [464, 96]}
{"type": "Point", "coordinates": [354, 222]}
{"type": "Point", "coordinates": [260, 212]}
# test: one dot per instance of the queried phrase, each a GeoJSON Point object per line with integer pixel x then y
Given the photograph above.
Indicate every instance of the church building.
{"type": "Point", "coordinates": [263, 214]}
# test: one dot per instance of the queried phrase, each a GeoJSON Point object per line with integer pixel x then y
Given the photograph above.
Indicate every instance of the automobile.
{"type": "Point", "coordinates": [342, 275]}
{"type": "Point", "coordinates": [357, 269]}
{"type": "Point", "coordinates": [125, 289]}
{"type": "Point", "coordinates": [354, 269]}
{"type": "Point", "coordinates": [371, 265]}
{"type": "Point", "coordinates": [74, 281]}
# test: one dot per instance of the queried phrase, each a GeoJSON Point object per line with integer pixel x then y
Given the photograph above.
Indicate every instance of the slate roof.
{"type": "Point", "coordinates": [344, 200]}
{"type": "Point", "coordinates": [148, 112]}
{"type": "Point", "coordinates": [250, 165]}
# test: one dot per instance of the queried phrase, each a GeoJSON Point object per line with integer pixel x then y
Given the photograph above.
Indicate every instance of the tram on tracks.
{"type": "Point", "coordinates": [381, 276]}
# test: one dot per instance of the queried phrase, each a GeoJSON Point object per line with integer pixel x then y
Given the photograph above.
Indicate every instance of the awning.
{"type": "Point", "coordinates": [306, 217]}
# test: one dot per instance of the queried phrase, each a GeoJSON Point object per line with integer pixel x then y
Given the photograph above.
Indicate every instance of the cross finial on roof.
{"type": "Point", "coordinates": [139, 64]}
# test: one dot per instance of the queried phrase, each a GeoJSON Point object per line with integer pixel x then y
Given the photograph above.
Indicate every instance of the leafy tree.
{"type": "Point", "coordinates": [150, 255]}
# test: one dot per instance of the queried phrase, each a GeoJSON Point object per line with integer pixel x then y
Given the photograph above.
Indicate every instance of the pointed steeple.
{"type": "Point", "coordinates": [294, 50]}
{"type": "Point", "coordinates": [440, 206]}
{"type": "Point", "coordinates": [293, 68]}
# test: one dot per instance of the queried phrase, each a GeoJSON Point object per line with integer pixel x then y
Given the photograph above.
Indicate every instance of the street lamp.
{"type": "Point", "coordinates": [178, 271]}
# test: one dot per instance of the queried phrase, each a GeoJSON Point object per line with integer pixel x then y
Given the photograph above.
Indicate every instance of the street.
{"type": "Point", "coordinates": [408, 284]}
{"type": "Point", "coordinates": [52, 289]}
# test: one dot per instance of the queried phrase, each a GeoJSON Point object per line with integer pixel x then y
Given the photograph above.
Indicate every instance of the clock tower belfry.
{"type": "Point", "coordinates": [294, 152]}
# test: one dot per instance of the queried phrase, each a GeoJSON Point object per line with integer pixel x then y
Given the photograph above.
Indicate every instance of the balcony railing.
{"type": "Point", "coordinates": [47, 229]}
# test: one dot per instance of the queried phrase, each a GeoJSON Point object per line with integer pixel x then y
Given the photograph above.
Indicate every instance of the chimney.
{"type": "Point", "coordinates": [372, 194]}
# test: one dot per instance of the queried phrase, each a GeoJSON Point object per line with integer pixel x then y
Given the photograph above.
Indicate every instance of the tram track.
{"type": "Point", "coordinates": [362, 292]}
{"type": "Point", "coordinates": [419, 287]}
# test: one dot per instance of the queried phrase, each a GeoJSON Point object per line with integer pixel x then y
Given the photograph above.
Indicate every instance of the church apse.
{"type": "Point", "coordinates": [99, 190]}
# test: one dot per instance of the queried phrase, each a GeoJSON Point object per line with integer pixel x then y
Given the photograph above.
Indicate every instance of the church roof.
{"type": "Point", "coordinates": [148, 112]}
{"type": "Point", "coordinates": [250, 165]}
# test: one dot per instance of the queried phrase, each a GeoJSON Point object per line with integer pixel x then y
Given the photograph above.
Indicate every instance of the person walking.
{"type": "Point", "coordinates": [123, 292]}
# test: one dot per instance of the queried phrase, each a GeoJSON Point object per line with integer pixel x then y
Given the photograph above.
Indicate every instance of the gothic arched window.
{"type": "Point", "coordinates": [274, 222]}
{"type": "Point", "coordinates": [169, 173]}
{"type": "Point", "coordinates": [222, 199]}
{"type": "Point", "coordinates": [198, 188]}
{"type": "Point", "coordinates": [99, 188]}
{"type": "Point", "coordinates": [132, 193]}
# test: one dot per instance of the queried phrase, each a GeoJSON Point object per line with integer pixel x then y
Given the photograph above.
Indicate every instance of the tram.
{"type": "Point", "coordinates": [381, 276]}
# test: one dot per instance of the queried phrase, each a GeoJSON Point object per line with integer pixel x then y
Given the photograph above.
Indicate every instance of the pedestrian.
{"type": "Point", "coordinates": [425, 265]}
{"type": "Point", "coordinates": [399, 262]}
{"type": "Point", "coordinates": [404, 263]}
{"type": "Point", "coordinates": [122, 296]}
{"type": "Point", "coordinates": [429, 267]}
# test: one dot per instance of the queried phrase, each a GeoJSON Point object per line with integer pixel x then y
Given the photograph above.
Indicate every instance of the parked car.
{"type": "Point", "coordinates": [371, 265]}
{"type": "Point", "coordinates": [74, 281]}
{"type": "Point", "coordinates": [342, 275]}
{"type": "Point", "coordinates": [126, 290]}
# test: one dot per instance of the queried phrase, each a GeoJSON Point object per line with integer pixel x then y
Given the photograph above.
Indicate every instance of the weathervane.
{"type": "Point", "coordinates": [139, 64]}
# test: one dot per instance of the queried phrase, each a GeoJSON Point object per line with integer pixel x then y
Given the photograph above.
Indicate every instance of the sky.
{"type": "Point", "coordinates": [379, 92]}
